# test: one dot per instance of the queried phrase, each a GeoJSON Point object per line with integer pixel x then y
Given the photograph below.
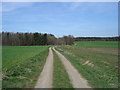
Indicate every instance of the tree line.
{"type": "Point", "coordinates": [117, 38]}
{"type": "Point", "coordinates": [29, 39]}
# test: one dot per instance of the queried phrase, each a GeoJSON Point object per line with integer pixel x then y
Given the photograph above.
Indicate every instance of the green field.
{"type": "Point", "coordinates": [0, 59]}
{"type": "Point", "coordinates": [22, 65]}
{"type": "Point", "coordinates": [14, 55]}
{"type": "Point", "coordinates": [97, 44]}
{"type": "Point", "coordinates": [96, 61]}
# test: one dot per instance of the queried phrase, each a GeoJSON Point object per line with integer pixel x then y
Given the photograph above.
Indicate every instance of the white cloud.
{"type": "Point", "coordinates": [74, 6]}
{"type": "Point", "coordinates": [0, 7]}
{"type": "Point", "coordinates": [60, 0]}
{"type": "Point", "coordinates": [0, 17]}
{"type": "Point", "coordinates": [6, 7]}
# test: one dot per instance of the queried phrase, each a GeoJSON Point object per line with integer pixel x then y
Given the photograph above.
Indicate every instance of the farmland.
{"type": "Point", "coordinates": [59, 44]}
{"type": "Point", "coordinates": [22, 65]}
{"type": "Point", "coordinates": [96, 61]}
{"type": "Point", "coordinates": [14, 55]}
{"type": "Point", "coordinates": [0, 59]}
{"type": "Point", "coordinates": [97, 44]}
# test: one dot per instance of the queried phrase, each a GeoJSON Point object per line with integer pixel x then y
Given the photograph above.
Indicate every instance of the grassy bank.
{"type": "Point", "coordinates": [60, 76]}
{"type": "Point", "coordinates": [23, 66]}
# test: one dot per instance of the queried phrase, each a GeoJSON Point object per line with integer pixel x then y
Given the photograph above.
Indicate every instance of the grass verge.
{"type": "Point", "coordinates": [25, 74]}
{"type": "Point", "coordinates": [60, 76]}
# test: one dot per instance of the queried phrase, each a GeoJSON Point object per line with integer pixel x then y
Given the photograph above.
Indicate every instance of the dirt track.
{"type": "Point", "coordinates": [45, 79]}
{"type": "Point", "coordinates": [77, 80]}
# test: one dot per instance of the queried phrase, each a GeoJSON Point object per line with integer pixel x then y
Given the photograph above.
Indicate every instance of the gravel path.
{"type": "Point", "coordinates": [76, 79]}
{"type": "Point", "coordinates": [46, 76]}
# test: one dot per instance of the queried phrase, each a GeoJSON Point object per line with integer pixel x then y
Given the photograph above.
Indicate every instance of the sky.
{"type": "Point", "coordinates": [80, 19]}
{"type": "Point", "coordinates": [60, 0]}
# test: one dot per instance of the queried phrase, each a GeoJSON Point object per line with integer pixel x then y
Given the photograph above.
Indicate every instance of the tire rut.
{"type": "Point", "coordinates": [46, 76]}
{"type": "Point", "coordinates": [76, 79]}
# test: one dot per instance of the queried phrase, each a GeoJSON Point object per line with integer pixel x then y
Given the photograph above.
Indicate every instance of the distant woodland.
{"type": "Point", "coordinates": [117, 38]}
{"type": "Point", "coordinates": [29, 39]}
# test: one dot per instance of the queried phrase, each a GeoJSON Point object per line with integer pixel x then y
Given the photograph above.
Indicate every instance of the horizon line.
{"type": "Point", "coordinates": [60, 36]}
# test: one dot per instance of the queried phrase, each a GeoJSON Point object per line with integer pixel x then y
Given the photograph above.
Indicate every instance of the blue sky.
{"type": "Point", "coordinates": [60, 18]}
